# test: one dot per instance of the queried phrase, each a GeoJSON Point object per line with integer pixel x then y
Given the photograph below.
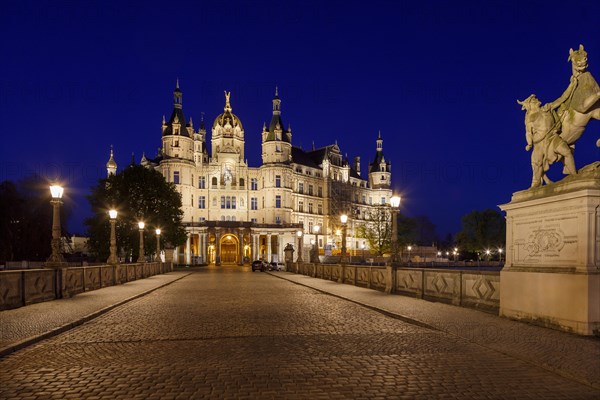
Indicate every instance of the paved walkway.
{"type": "Point", "coordinates": [232, 333]}
{"type": "Point", "coordinates": [569, 355]}
{"type": "Point", "coordinates": [27, 325]}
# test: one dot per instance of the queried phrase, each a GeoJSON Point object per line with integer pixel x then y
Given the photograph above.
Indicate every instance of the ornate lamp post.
{"type": "Point", "coordinates": [409, 248]}
{"type": "Point", "coordinates": [141, 257]}
{"type": "Point", "coordinates": [112, 259]}
{"type": "Point", "coordinates": [344, 221]}
{"type": "Point", "coordinates": [158, 245]}
{"type": "Point", "coordinates": [316, 229]}
{"type": "Point", "coordinates": [56, 257]}
{"type": "Point", "coordinates": [395, 203]}
{"type": "Point", "coordinates": [299, 234]}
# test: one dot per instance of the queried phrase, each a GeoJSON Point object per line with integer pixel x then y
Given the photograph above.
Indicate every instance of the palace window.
{"type": "Point", "coordinates": [310, 226]}
{"type": "Point", "coordinates": [253, 184]}
{"type": "Point", "coordinates": [201, 182]}
{"type": "Point", "coordinates": [278, 220]}
{"type": "Point", "coordinates": [277, 180]}
{"type": "Point", "coordinates": [310, 208]}
{"type": "Point", "coordinates": [277, 201]}
{"type": "Point", "coordinates": [310, 190]}
{"type": "Point", "coordinates": [214, 181]}
{"type": "Point", "coordinates": [319, 209]}
{"type": "Point", "coordinates": [300, 206]}
{"type": "Point", "coordinates": [320, 191]}
{"type": "Point", "coordinates": [176, 177]}
{"type": "Point", "coordinates": [233, 202]}
{"type": "Point", "coordinates": [253, 203]}
{"type": "Point", "coordinates": [201, 201]}
{"type": "Point", "coordinates": [242, 182]}
{"type": "Point", "coordinates": [383, 200]}
{"type": "Point", "coordinates": [253, 220]}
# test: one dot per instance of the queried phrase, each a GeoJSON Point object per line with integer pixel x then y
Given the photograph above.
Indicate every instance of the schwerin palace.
{"type": "Point", "coordinates": [236, 213]}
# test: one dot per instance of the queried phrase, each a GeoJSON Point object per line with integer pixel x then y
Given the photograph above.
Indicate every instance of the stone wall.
{"type": "Point", "coordinates": [474, 289]}
{"type": "Point", "coordinates": [22, 287]}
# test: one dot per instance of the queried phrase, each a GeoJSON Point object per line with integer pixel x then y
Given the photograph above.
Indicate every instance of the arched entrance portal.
{"type": "Point", "coordinates": [229, 249]}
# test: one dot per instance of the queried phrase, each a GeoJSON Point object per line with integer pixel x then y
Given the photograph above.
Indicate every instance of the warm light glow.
{"type": "Point", "coordinates": [338, 232]}
{"type": "Point", "coordinates": [395, 201]}
{"type": "Point", "coordinates": [56, 191]}
{"type": "Point", "coordinates": [455, 249]}
{"type": "Point", "coordinates": [447, 253]}
{"type": "Point", "coordinates": [487, 252]}
{"type": "Point", "coordinates": [409, 248]}
{"type": "Point", "coordinates": [500, 251]}
{"type": "Point", "coordinates": [362, 246]}
{"type": "Point", "coordinates": [158, 231]}
{"type": "Point", "coordinates": [344, 218]}
{"type": "Point", "coordinates": [316, 229]}
{"type": "Point", "coordinates": [312, 242]}
{"type": "Point", "coordinates": [141, 224]}
{"type": "Point", "coordinates": [299, 234]}
{"type": "Point", "coordinates": [112, 214]}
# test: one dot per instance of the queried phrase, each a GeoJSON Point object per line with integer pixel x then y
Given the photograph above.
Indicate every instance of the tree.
{"type": "Point", "coordinates": [377, 230]}
{"type": "Point", "coordinates": [139, 194]}
{"type": "Point", "coordinates": [482, 230]}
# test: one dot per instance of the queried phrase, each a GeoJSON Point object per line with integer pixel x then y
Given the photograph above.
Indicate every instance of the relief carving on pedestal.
{"type": "Point", "coordinates": [545, 241]}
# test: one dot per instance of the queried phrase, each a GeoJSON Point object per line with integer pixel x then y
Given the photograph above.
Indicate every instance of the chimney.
{"type": "Point", "coordinates": [357, 165]}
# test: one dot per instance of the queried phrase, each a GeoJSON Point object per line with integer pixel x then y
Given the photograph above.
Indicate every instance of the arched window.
{"type": "Point", "coordinates": [214, 181]}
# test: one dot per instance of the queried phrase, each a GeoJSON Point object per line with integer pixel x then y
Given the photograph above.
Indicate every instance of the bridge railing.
{"type": "Point", "coordinates": [23, 287]}
{"type": "Point", "coordinates": [466, 288]}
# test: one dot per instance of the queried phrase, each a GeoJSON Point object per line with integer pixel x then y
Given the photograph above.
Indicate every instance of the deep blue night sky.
{"type": "Point", "coordinates": [439, 79]}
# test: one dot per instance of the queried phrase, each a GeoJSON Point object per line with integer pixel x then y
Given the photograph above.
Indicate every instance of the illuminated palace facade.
{"type": "Point", "coordinates": [236, 213]}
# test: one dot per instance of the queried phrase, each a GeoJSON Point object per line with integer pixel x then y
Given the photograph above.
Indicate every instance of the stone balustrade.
{"type": "Point", "coordinates": [22, 287]}
{"type": "Point", "coordinates": [474, 289]}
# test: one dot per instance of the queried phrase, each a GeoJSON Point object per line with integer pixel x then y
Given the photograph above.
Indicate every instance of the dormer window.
{"type": "Point", "coordinates": [175, 130]}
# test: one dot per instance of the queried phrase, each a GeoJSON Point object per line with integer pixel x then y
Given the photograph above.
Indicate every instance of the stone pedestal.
{"type": "Point", "coordinates": [552, 271]}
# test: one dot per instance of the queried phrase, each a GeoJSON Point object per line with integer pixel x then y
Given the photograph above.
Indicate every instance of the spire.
{"type": "Point", "coordinates": [132, 158]}
{"type": "Point", "coordinates": [164, 120]}
{"type": "Point", "coordinates": [191, 122]}
{"type": "Point", "coordinates": [111, 165]}
{"type": "Point", "coordinates": [177, 96]}
{"type": "Point", "coordinates": [276, 102]}
{"type": "Point", "coordinates": [379, 142]}
{"type": "Point", "coordinates": [144, 159]}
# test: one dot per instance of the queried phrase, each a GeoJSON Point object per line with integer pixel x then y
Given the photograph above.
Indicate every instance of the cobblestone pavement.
{"type": "Point", "coordinates": [573, 356]}
{"type": "Point", "coordinates": [231, 333]}
{"type": "Point", "coordinates": [24, 325]}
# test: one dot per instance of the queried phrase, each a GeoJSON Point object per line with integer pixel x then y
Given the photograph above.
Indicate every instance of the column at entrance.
{"type": "Point", "coordinates": [241, 246]}
{"type": "Point", "coordinates": [217, 248]}
{"type": "Point", "coordinates": [254, 247]}
{"type": "Point", "coordinates": [188, 251]}
{"type": "Point", "coordinates": [269, 254]}
{"type": "Point", "coordinates": [203, 246]}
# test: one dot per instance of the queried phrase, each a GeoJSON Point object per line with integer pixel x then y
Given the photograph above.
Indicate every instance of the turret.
{"type": "Point", "coordinates": [380, 170]}
{"type": "Point", "coordinates": [276, 140]}
{"type": "Point", "coordinates": [177, 134]}
{"type": "Point", "coordinates": [111, 165]}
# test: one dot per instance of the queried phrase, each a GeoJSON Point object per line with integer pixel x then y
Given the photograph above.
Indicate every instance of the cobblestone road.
{"type": "Point", "coordinates": [236, 334]}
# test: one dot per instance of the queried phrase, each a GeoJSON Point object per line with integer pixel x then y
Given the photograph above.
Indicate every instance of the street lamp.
{"type": "Point", "coordinates": [299, 234]}
{"type": "Point", "coordinates": [344, 220]}
{"type": "Point", "coordinates": [395, 203]}
{"type": "Point", "coordinates": [316, 229]}
{"type": "Point", "coordinates": [500, 254]}
{"type": "Point", "coordinates": [487, 253]}
{"type": "Point", "coordinates": [409, 248]}
{"type": "Point", "coordinates": [158, 245]}
{"type": "Point", "coordinates": [362, 246]}
{"type": "Point", "coordinates": [112, 259]}
{"type": "Point", "coordinates": [56, 257]}
{"type": "Point", "coordinates": [455, 253]}
{"type": "Point", "coordinates": [141, 257]}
